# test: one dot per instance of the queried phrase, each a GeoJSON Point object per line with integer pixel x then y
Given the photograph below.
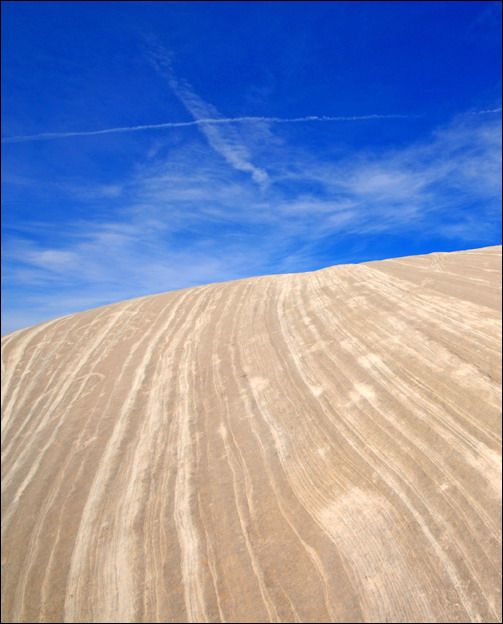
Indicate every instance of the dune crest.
{"type": "Point", "coordinates": [315, 447]}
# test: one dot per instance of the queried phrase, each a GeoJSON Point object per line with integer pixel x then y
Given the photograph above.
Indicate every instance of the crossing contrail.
{"type": "Point", "coordinates": [46, 136]}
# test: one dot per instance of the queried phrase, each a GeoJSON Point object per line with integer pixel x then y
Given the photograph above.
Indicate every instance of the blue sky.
{"type": "Point", "coordinates": [290, 137]}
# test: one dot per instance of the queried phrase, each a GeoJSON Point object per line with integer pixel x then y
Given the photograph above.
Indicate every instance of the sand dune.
{"type": "Point", "coordinates": [317, 447]}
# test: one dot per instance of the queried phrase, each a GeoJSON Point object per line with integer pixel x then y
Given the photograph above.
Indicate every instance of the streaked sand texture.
{"type": "Point", "coordinates": [294, 448]}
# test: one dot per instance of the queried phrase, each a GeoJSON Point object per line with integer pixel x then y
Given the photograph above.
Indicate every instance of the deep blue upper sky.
{"type": "Point", "coordinates": [91, 219]}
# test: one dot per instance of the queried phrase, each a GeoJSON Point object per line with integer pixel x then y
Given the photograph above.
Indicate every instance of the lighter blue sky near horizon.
{"type": "Point", "coordinates": [371, 130]}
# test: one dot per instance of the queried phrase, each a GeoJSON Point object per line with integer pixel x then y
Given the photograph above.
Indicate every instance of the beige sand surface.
{"type": "Point", "coordinates": [295, 448]}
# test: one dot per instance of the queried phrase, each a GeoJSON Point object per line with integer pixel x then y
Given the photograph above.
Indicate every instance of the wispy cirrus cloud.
{"type": "Point", "coordinates": [188, 220]}
{"type": "Point", "coordinates": [222, 133]}
{"type": "Point", "coordinates": [188, 216]}
{"type": "Point", "coordinates": [487, 111]}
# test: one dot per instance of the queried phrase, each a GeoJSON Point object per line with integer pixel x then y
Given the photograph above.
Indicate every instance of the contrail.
{"type": "Point", "coordinates": [489, 110]}
{"type": "Point", "coordinates": [46, 136]}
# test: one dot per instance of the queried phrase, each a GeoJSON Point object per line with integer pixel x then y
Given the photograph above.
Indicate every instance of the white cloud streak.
{"type": "Point", "coordinates": [487, 111]}
{"type": "Point", "coordinates": [183, 219]}
{"type": "Point", "coordinates": [46, 136]}
{"type": "Point", "coordinates": [220, 132]}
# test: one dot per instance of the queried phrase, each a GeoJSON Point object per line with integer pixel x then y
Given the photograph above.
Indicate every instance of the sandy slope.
{"type": "Point", "coordinates": [314, 447]}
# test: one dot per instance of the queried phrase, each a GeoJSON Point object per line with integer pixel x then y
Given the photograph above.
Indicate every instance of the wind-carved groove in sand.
{"type": "Point", "coordinates": [120, 570]}
{"type": "Point", "coordinates": [324, 510]}
{"type": "Point", "coordinates": [368, 396]}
